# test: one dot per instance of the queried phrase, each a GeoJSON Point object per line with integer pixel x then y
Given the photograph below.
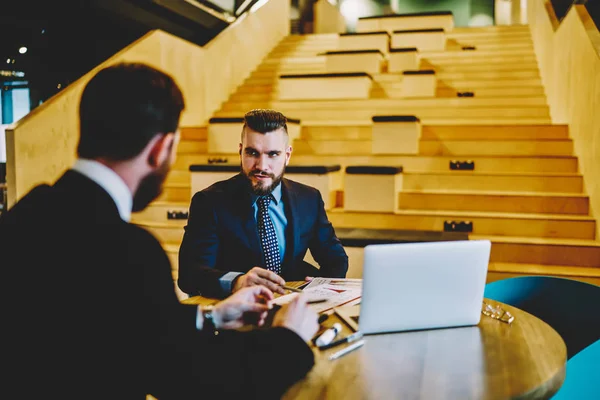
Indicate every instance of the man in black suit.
{"type": "Point", "coordinates": [255, 228]}
{"type": "Point", "coordinates": [89, 307]}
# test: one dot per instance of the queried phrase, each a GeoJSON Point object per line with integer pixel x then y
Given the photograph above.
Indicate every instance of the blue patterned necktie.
{"type": "Point", "coordinates": [268, 238]}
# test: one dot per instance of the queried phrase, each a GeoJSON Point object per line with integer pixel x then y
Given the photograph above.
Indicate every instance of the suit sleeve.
{"type": "Point", "coordinates": [325, 247]}
{"type": "Point", "coordinates": [257, 364]}
{"type": "Point", "coordinates": [186, 363]}
{"type": "Point", "coordinates": [199, 250]}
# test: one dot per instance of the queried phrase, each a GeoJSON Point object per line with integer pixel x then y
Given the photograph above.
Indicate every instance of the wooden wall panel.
{"type": "Point", "coordinates": [42, 145]}
{"type": "Point", "coordinates": [569, 62]}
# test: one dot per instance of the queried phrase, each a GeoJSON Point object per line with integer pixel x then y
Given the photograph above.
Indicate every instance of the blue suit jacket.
{"type": "Point", "coordinates": [222, 236]}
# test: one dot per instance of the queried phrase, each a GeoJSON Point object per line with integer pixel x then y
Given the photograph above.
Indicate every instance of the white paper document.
{"type": "Point", "coordinates": [334, 291]}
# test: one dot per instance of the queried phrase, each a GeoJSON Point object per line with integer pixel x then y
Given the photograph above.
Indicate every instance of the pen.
{"type": "Point", "coordinates": [327, 336]}
{"type": "Point", "coordinates": [346, 350]}
{"type": "Point", "coordinates": [347, 339]}
{"type": "Point", "coordinates": [292, 289]}
{"type": "Point", "coordinates": [316, 301]}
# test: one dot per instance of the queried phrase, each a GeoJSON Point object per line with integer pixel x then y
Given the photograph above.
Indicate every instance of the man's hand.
{"type": "Point", "coordinates": [297, 316]}
{"type": "Point", "coordinates": [260, 276]}
{"type": "Point", "coordinates": [247, 304]}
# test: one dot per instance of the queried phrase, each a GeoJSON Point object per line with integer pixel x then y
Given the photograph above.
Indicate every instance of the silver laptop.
{"type": "Point", "coordinates": [413, 286]}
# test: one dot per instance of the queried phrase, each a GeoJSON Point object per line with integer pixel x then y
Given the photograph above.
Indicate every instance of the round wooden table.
{"type": "Point", "coordinates": [493, 360]}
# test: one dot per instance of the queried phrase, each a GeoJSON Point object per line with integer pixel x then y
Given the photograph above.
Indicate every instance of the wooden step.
{"type": "Point", "coordinates": [379, 93]}
{"type": "Point", "coordinates": [480, 79]}
{"type": "Point", "coordinates": [460, 32]}
{"type": "Point", "coordinates": [332, 147]}
{"type": "Point", "coordinates": [391, 105]}
{"type": "Point", "coordinates": [500, 224]}
{"type": "Point", "coordinates": [410, 162]}
{"type": "Point", "coordinates": [192, 146]}
{"type": "Point", "coordinates": [436, 121]}
{"type": "Point", "coordinates": [157, 210]}
{"type": "Point", "coordinates": [471, 75]}
{"type": "Point", "coordinates": [474, 39]}
{"type": "Point", "coordinates": [484, 224]}
{"type": "Point", "coordinates": [511, 202]}
{"type": "Point", "coordinates": [455, 72]}
{"type": "Point", "coordinates": [463, 148]}
{"type": "Point", "coordinates": [179, 192]}
{"type": "Point", "coordinates": [524, 147]}
{"type": "Point", "coordinates": [461, 59]}
{"type": "Point", "coordinates": [194, 132]}
{"type": "Point", "coordinates": [491, 45]}
{"type": "Point", "coordinates": [453, 42]}
{"type": "Point", "coordinates": [425, 114]}
{"type": "Point", "coordinates": [463, 85]}
{"type": "Point", "coordinates": [178, 176]}
{"type": "Point", "coordinates": [495, 132]}
{"type": "Point", "coordinates": [481, 181]}
{"type": "Point", "coordinates": [448, 85]}
{"type": "Point", "coordinates": [446, 132]}
{"type": "Point", "coordinates": [336, 133]}
{"type": "Point", "coordinates": [478, 54]}
{"type": "Point", "coordinates": [545, 251]}
{"type": "Point", "coordinates": [475, 74]}
{"type": "Point", "coordinates": [472, 84]}
{"type": "Point", "coordinates": [444, 91]}
{"type": "Point", "coordinates": [584, 255]}
{"type": "Point", "coordinates": [530, 67]}
{"type": "Point", "coordinates": [491, 29]}
{"type": "Point", "coordinates": [483, 48]}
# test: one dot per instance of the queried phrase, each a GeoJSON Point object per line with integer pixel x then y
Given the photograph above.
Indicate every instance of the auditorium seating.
{"type": "Point", "coordinates": [480, 155]}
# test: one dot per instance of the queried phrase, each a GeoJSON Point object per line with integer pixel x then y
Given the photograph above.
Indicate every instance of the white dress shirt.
{"type": "Point", "coordinates": [110, 181]}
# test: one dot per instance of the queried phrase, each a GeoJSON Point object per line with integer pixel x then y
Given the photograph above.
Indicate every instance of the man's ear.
{"type": "Point", "coordinates": [161, 149]}
{"type": "Point", "coordinates": [288, 155]}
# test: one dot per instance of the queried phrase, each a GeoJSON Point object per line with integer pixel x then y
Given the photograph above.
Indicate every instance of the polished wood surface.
{"type": "Point", "coordinates": [493, 360]}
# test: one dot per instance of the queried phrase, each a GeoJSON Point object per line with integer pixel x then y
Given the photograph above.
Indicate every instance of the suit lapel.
{"type": "Point", "coordinates": [246, 213]}
{"type": "Point", "coordinates": [293, 219]}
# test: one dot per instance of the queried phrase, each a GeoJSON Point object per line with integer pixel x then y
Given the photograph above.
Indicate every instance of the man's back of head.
{"type": "Point", "coordinates": [123, 107]}
{"type": "Point", "coordinates": [74, 286]}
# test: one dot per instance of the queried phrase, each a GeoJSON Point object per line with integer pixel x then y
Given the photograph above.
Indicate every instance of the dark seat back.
{"type": "Point", "coordinates": [571, 307]}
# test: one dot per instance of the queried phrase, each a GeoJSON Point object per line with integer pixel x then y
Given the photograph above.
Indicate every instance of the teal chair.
{"type": "Point", "coordinates": [583, 375]}
{"type": "Point", "coordinates": [571, 307]}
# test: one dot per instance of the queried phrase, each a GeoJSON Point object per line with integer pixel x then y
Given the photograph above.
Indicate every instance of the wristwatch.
{"type": "Point", "coordinates": [208, 325]}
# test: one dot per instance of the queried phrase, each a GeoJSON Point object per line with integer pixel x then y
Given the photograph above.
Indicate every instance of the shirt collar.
{"type": "Point", "coordinates": [275, 195]}
{"type": "Point", "coordinates": [110, 181]}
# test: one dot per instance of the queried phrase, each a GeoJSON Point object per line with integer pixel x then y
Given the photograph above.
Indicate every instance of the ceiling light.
{"type": "Point", "coordinates": [23, 50]}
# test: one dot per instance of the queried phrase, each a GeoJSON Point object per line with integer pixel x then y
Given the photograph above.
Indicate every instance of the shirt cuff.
{"type": "Point", "coordinates": [226, 281]}
{"type": "Point", "coordinates": [199, 318]}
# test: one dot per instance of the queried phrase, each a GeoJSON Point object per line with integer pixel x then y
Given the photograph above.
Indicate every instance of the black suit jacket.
{"type": "Point", "coordinates": [89, 311]}
{"type": "Point", "coordinates": [221, 236]}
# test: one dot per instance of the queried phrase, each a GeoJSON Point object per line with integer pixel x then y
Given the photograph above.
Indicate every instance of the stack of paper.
{"type": "Point", "coordinates": [334, 291]}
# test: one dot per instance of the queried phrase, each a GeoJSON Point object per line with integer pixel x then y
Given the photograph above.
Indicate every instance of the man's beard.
{"type": "Point", "coordinates": [150, 187]}
{"type": "Point", "coordinates": [260, 190]}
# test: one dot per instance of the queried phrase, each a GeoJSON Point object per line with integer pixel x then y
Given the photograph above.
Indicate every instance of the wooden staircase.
{"type": "Point", "coordinates": [525, 194]}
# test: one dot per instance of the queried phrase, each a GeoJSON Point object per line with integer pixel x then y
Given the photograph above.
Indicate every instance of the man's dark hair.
{"type": "Point", "coordinates": [263, 121]}
{"type": "Point", "coordinates": [123, 107]}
